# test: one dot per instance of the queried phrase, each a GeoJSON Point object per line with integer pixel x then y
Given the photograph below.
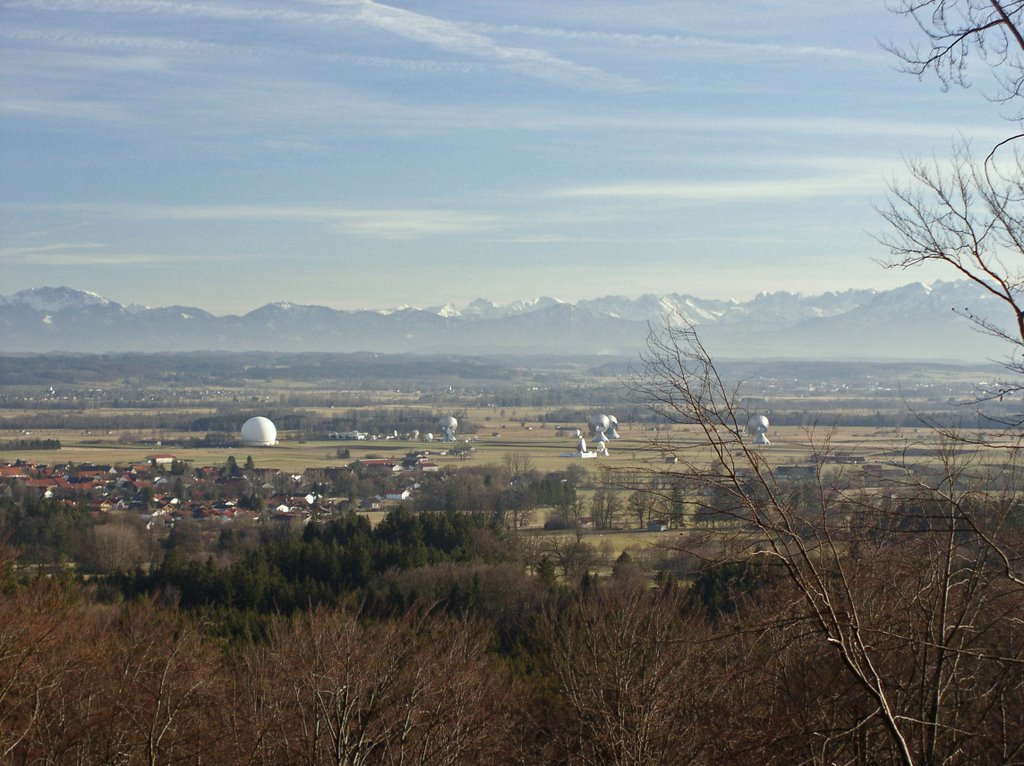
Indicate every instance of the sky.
{"type": "Point", "coordinates": [357, 154]}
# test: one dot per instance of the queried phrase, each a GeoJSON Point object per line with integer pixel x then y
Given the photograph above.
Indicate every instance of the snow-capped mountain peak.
{"type": "Point", "coordinates": [448, 311]}
{"type": "Point", "coordinates": [54, 299]}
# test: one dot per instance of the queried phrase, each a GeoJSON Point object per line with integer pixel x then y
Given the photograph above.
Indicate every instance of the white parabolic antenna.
{"type": "Point", "coordinates": [448, 426]}
{"type": "Point", "coordinates": [259, 432]}
{"type": "Point", "coordinates": [598, 423]}
{"type": "Point", "coordinates": [757, 426]}
{"type": "Point", "coordinates": [613, 423]}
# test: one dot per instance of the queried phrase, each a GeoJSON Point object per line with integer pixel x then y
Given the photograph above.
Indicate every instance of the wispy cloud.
{"type": "Point", "coordinates": [722, 191]}
{"type": "Point", "coordinates": [76, 38]}
{"type": "Point", "coordinates": [78, 254]}
{"type": "Point", "coordinates": [62, 108]}
{"type": "Point", "coordinates": [459, 39]}
{"type": "Point", "coordinates": [77, 61]}
{"type": "Point", "coordinates": [213, 10]}
{"type": "Point", "coordinates": [417, 65]}
{"type": "Point", "coordinates": [391, 224]}
{"type": "Point", "coordinates": [30, 250]}
{"type": "Point", "coordinates": [394, 223]}
{"type": "Point", "coordinates": [815, 126]}
{"type": "Point", "coordinates": [434, 118]}
{"type": "Point", "coordinates": [413, 224]}
{"type": "Point", "coordinates": [682, 44]}
{"type": "Point", "coordinates": [440, 34]}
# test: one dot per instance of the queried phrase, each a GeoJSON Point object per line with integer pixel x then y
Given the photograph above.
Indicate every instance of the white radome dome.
{"type": "Point", "coordinates": [448, 422]}
{"type": "Point", "coordinates": [259, 432]}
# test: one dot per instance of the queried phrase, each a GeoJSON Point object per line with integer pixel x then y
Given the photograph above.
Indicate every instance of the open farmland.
{"type": "Point", "coordinates": [136, 405]}
{"type": "Point", "coordinates": [545, 444]}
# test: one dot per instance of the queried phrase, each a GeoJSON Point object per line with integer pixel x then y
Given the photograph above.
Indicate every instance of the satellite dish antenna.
{"type": "Point", "coordinates": [448, 427]}
{"type": "Point", "coordinates": [613, 423]}
{"type": "Point", "coordinates": [757, 426]}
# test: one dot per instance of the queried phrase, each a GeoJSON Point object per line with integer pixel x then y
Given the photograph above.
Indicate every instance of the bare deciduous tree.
{"type": "Point", "coordinates": [519, 499]}
{"type": "Point", "coordinates": [517, 464]}
{"type": "Point", "coordinates": [640, 506]}
{"type": "Point", "coordinates": [163, 678]}
{"type": "Point", "coordinates": [635, 680]}
{"type": "Point", "coordinates": [969, 217]}
{"type": "Point", "coordinates": [911, 609]}
{"type": "Point", "coordinates": [991, 31]}
{"type": "Point", "coordinates": [399, 692]}
{"type": "Point", "coordinates": [605, 503]}
{"type": "Point", "coordinates": [30, 637]}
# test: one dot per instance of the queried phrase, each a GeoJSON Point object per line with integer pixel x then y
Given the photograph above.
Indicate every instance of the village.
{"type": "Point", "coordinates": [163, 490]}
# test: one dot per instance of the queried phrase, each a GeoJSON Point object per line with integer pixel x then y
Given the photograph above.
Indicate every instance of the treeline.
{"type": "Point", "coordinates": [228, 420]}
{"type": "Point", "coordinates": [234, 369]}
{"type": "Point", "coordinates": [826, 415]}
{"type": "Point", "coordinates": [324, 565]}
{"type": "Point", "coordinates": [410, 370]}
{"type": "Point", "coordinates": [955, 417]}
{"type": "Point", "coordinates": [386, 419]}
{"type": "Point", "coordinates": [11, 445]}
{"type": "Point", "coordinates": [42, 531]}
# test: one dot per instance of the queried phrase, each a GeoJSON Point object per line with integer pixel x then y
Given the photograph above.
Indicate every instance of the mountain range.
{"type": "Point", "coordinates": [915, 322]}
